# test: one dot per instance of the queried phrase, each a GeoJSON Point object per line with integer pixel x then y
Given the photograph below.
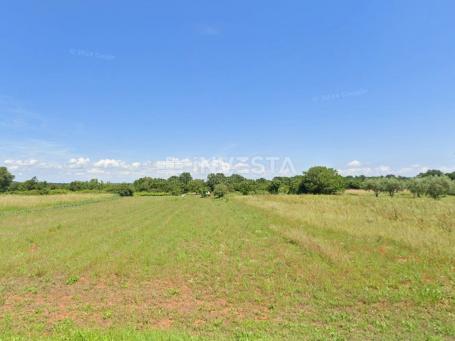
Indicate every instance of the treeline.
{"type": "Point", "coordinates": [316, 180]}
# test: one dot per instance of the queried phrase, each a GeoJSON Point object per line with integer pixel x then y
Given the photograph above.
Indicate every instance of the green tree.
{"type": "Point", "coordinates": [197, 186]}
{"type": "Point", "coordinates": [451, 175]}
{"type": "Point", "coordinates": [234, 181]}
{"type": "Point", "coordinates": [174, 186]}
{"type": "Point", "coordinates": [6, 179]}
{"type": "Point", "coordinates": [274, 186]}
{"type": "Point", "coordinates": [220, 190]}
{"type": "Point", "coordinates": [431, 172]}
{"type": "Point", "coordinates": [261, 185]}
{"type": "Point", "coordinates": [374, 185]}
{"type": "Point", "coordinates": [354, 182]}
{"type": "Point", "coordinates": [321, 180]}
{"type": "Point", "coordinates": [215, 179]}
{"type": "Point", "coordinates": [417, 186]}
{"type": "Point", "coordinates": [94, 184]}
{"type": "Point", "coordinates": [294, 184]}
{"type": "Point", "coordinates": [30, 185]}
{"type": "Point", "coordinates": [185, 179]}
{"type": "Point", "coordinates": [77, 186]}
{"type": "Point", "coordinates": [391, 185]}
{"type": "Point", "coordinates": [125, 190]}
{"type": "Point", "coordinates": [438, 186]}
{"type": "Point", "coordinates": [246, 187]}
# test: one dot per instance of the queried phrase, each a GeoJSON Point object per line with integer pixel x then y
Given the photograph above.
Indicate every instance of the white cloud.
{"type": "Point", "coordinates": [384, 169]}
{"type": "Point", "coordinates": [172, 163]}
{"type": "Point", "coordinates": [354, 164]}
{"type": "Point", "coordinates": [108, 163]}
{"type": "Point", "coordinates": [95, 171]}
{"type": "Point", "coordinates": [20, 164]}
{"type": "Point", "coordinates": [354, 169]}
{"type": "Point", "coordinates": [116, 170]}
{"type": "Point", "coordinates": [78, 162]}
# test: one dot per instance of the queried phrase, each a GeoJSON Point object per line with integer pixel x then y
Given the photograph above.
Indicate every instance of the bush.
{"type": "Point", "coordinates": [204, 193]}
{"type": "Point", "coordinates": [125, 191]}
{"type": "Point", "coordinates": [321, 180]}
{"type": "Point", "coordinates": [44, 191]}
{"type": "Point", "coordinates": [220, 190]}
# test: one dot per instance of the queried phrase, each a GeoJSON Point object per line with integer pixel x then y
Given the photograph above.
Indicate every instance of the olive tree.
{"type": "Point", "coordinates": [391, 185]}
{"type": "Point", "coordinates": [417, 186]}
{"type": "Point", "coordinates": [374, 185]}
{"type": "Point", "coordinates": [438, 186]}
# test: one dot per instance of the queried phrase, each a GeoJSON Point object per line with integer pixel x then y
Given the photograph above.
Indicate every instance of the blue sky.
{"type": "Point", "coordinates": [114, 89]}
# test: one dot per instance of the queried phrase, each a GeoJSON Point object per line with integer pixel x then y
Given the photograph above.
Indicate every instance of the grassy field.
{"type": "Point", "coordinates": [253, 267]}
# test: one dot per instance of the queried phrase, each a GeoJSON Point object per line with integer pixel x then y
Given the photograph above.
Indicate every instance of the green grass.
{"type": "Point", "coordinates": [21, 203]}
{"type": "Point", "coordinates": [256, 267]}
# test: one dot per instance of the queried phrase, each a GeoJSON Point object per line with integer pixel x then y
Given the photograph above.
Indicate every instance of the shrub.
{"type": "Point", "coordinates": [204, 193]}
{"type": "Point", "coordinates": [220, 190]}
{"type": "Point", "coordinates": [44, 191]}
{"type": "Point", "coordinates": [321, 180]}
{"type": "Point", "coordinates": [125, 191]}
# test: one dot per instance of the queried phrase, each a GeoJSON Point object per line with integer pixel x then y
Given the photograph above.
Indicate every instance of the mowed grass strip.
{"type": "Point", "coordinates": [26, 203]}
{"type": "Point", "coordinates": [163, 261]}
{"type": "Point", "coordinates": [247, 267]}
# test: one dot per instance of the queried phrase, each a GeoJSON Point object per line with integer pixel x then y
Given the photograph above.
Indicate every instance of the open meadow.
{"type": "Point", "coordinates": [94, 266]}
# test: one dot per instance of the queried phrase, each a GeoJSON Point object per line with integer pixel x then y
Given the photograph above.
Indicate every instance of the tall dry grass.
{"type": "Point", "coordinates": [419, 222]}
